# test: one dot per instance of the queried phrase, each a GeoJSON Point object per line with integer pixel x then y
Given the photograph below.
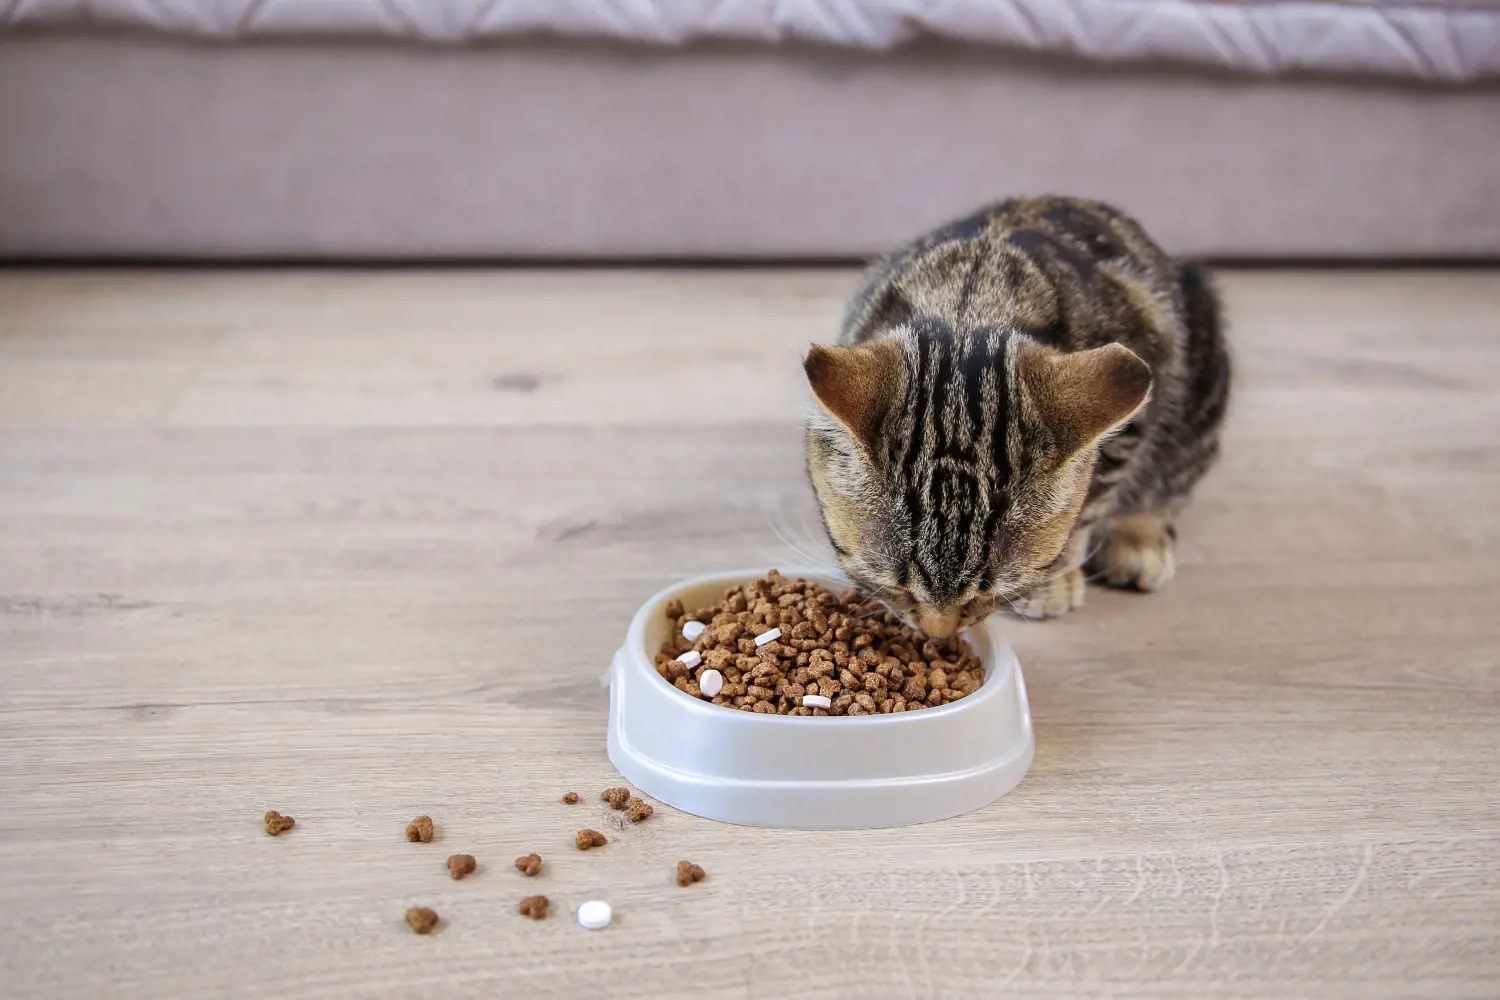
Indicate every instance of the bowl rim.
{"type": "Point", "coordinates": [635, 643]}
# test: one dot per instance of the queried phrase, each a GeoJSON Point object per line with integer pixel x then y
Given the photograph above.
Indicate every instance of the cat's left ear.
{"type": "Point", "coordinates": [1082, 396]}
{"type": "Point", "coordinates": [855, 384]}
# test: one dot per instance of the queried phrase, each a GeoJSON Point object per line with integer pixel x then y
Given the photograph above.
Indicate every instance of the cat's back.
{"type": "Point", "coordinates": [1071, 272]}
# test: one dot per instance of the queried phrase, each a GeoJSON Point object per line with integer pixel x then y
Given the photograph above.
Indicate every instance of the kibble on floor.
{"type": "Point", "coordinates": [277, 824]}
{"type": "Point", "coordinates": [422, 919]}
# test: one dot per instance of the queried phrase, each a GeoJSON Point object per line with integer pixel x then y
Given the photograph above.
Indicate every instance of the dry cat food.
{"type": "Point", "coordinates": [420, 830]}
{"type": "Point", "coordinates": [571, 798]}
{"type": "Point", "coordinates": [277, 824]}
{"type": "Point", "coordinates": [422, 919]}
{"type": "Point", "coordinates": [530, 864]}
{"type": "Point", "coordinates": [460, 865]}
{"type": "Point", "coordinates": [771, 643]}
{"type": "Point", "coordinates": [688, 873]}
{"type": "Point", "coordinates": [616, 797]}
{"type": "Point", "coordinates": [534, 907]}
{"type": "Point", "coordinates": [589, 838]}
{"type": "Point", "coordinates": [638, 811]}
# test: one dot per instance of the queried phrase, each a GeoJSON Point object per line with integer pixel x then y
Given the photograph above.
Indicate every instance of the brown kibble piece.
{"type": "Point", "coordinates": [688, 873]}
{"type": "Point", "coordinates": [419, 830]}
{"type": "Point", "coordinates": [422, 919]}
{"type": "Point", "coordinates": [589, 838]}
{"type": "Point", "coordinates": [638, 810]}
{"type": "Point", "coordinates": [534, 907]}
{"type": "Point", "coordinates": [571, 798]}
{"type": "Point", "coordinates": [675, 609]}
{"type": "Point", "coordinates": [616, 797]}
{"type": "Point", "coordinates": [460, 865]}
{"type": "Point", "coordinates": [530, 864]}
{"type": "Point", "coordinates": [277, 824]}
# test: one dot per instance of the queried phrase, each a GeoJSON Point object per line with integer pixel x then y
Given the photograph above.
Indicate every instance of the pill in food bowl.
{"type": "Point", "coordinates": [782, 646]}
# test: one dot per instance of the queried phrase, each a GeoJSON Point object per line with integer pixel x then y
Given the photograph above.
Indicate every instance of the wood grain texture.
{"type": "Point", "coordinates": [357, 546]}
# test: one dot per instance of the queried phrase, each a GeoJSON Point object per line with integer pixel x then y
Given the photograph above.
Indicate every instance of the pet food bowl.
{"type": "Point", "coordinates": [812, 773]}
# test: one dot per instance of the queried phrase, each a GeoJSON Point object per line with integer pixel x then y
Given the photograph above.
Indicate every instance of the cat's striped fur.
{"type": "Point", "coordinates": [983, 433]}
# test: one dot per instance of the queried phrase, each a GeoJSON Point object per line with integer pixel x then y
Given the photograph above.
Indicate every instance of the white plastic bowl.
{"type": "Point", "coordinates": [812, 773]}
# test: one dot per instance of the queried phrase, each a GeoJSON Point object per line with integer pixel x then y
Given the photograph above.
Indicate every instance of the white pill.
{"type": "Point", "coordinates": [690, 659]}
{"type": "Point", "coordinates": [711, 682]}
{"type": "Point", "coordinates": [766, 637]}
{"type": "Point", "coordinates": [692, 630]}
{"type": "Point", "coordinates": [816, 701]}
{"type": "Point", "coordinates": [595, 914]}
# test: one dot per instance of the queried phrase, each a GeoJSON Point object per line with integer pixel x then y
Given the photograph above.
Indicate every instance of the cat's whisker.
{"type": "Point", "coordinates": [776, 520]}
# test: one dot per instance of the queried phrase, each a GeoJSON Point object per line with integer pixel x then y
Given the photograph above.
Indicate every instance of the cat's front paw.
{"type": "Point", "coordinates": [1138, 551]}
{"type": "Point", "coordinates": [1054, 598]}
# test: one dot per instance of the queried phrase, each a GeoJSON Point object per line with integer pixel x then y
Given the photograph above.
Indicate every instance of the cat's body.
{"type": "Point", "coordinates": [980, 441]}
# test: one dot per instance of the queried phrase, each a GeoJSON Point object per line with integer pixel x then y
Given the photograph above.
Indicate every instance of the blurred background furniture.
{"type": "Point", "coordinates": [746, 129]}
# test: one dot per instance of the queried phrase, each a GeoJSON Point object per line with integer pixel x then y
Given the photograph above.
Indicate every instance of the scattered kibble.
{"type": "Point", "coordinates": [530, 864]}
{"type": "Point", "coordinates": [422, 919]}
{"type": "Point", "coordinates": [710, 682]}
{"type": "Point", "coordinates": [638, 810]}
{"type": "Point", "coordinates": [419, 830]}
{"type": "Point", "coordinates": [691, 630]}
{"type": "Point", "coordinates": [586, 839]}
{"type": "Point", "coordinates": [571, 798]}
{"type": "Point", "coordinates": [688, 873]}
{"type": "Point", "coordinates": [616, 797]}
{"type": "Point", "coordinates": [595, 915]}
{"type": "Point", "coordinates": [460, 865]}
{"type": "Point", "coordinates": [534, 907]}
{"type": "Point", "coordinates": [779, 646]}
{"type": "Point", "coordinates": [277, 824]}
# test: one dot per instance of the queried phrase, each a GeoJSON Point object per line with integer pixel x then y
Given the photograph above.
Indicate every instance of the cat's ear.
{"type": "Point", "coordinates": [1082, 396]}
{"type": "Point", "coordinates": [855, 384]}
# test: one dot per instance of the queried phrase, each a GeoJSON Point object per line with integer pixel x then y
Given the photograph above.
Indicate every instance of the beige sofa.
{"type": "Point", "coordinates": [237, 139]}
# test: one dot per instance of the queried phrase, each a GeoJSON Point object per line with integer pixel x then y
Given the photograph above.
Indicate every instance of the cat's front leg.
{"type": "Point", "coordinates": [1063, 588]}
{"type": "Point", "coordinates": [1053, 598]}
{"type": "Point", "coordinates": [1138, 551]}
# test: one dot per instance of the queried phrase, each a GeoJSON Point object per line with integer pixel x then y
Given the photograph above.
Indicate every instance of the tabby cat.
{"type": "Point", "coordinates": [1022, 396]}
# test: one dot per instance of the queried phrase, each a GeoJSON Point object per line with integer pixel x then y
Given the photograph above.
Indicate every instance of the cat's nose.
{"type": "Point", "coordinates": [938, 623]}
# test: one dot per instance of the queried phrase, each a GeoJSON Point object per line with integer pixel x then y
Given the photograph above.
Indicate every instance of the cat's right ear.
{"type": "Point", "coordinates": [855, 384]}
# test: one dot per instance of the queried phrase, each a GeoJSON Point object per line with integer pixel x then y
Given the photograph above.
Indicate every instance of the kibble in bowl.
{"type": "Point", "coordinates": [956, 739]}
{"type": "Point", "coordinates": [791, 646]}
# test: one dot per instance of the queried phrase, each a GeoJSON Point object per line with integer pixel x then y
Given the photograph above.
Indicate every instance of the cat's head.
{"type": "Point", "coordinates": [950, 470]}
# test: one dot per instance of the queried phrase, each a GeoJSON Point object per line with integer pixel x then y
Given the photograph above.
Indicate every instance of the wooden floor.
{"type": "Point", "coordinates": [357, 546]}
